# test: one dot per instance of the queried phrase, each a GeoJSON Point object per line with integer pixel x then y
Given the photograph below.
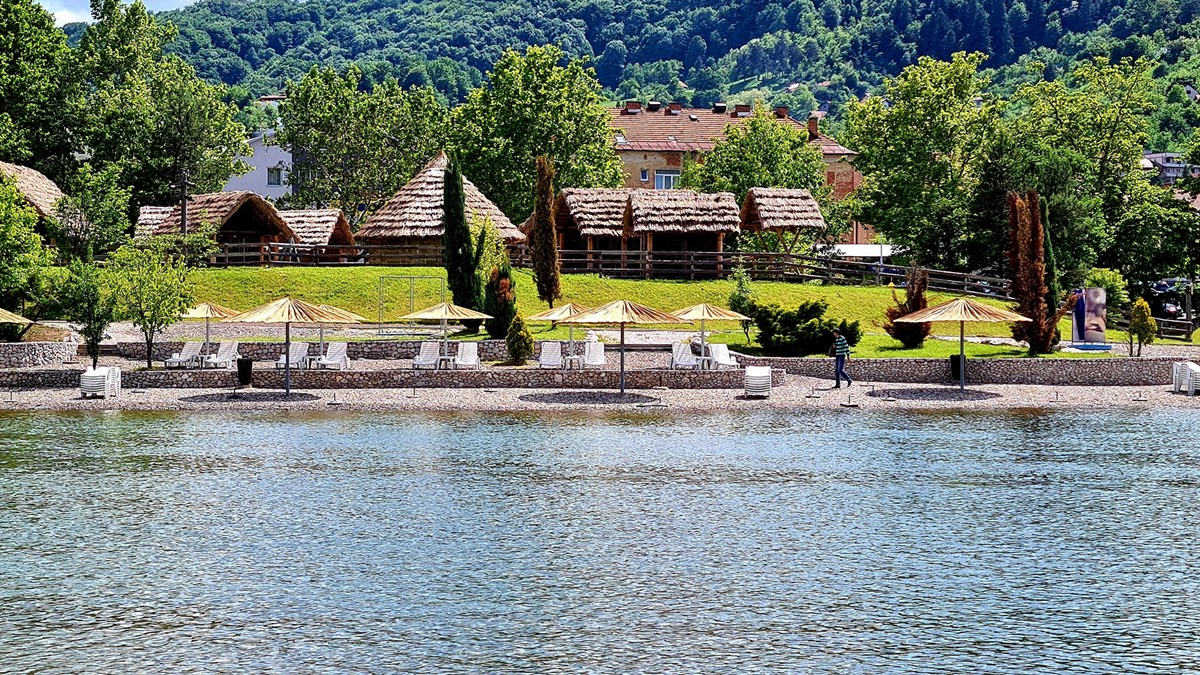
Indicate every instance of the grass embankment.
{"type": "Point", "coordinates": [357, 289]}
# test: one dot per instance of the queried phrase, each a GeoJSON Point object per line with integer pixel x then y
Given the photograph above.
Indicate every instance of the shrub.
{"type": "Point", "coordinates": [1027, 260]}
{"type": "Point", "coordinates": [741, 299]}
{"type": "Point", "coordinates": [911, 335]}
{"type": "Point", "coordinates": [1141, 325]}
{"type": "Point", "coordinates": [801, 331]}
{"type": "Point", "coordinates": [89, 305]}
{"type": "Point", "coordinates": [519, 342]}
{"type": "Point", "coordinates": [499, 300]}
{"type": "Point", "coordinates": [1116, 290]}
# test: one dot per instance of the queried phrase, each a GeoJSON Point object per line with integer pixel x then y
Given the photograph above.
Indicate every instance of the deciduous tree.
{"type": "Point", "coordinates": [152, 290]}
{"type": "Point", "coordinates": [89, 304]}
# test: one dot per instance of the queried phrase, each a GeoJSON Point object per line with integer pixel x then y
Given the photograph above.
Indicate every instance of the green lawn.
{"type": "Point", "coordinates": [357, 289]}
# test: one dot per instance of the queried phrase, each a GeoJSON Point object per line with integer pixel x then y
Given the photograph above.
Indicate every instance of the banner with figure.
{"type": "Point", "coordinates": [1090, 318]}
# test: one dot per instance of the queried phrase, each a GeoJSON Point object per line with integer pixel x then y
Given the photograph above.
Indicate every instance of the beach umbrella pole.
{"type": "Point", "coordinates": [206, 336]}
{"type": "Point", "coordinates": [622, 359]}
{"type": "Point", "coordinates": [287, 359]}
{"type": "Point", "coordinates": [962, 355]}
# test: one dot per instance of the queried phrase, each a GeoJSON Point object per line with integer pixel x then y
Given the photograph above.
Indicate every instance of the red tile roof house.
{"type": "Point", "coordinates": [653, 139]}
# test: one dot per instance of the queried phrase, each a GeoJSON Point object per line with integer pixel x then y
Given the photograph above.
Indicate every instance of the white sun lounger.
{"type": "Point", "coordinates": [720, 356]}
{"type": "Point", "coordinates": [188, 357]}
{"type": "Point", "coordinates": [593, 355]}
{"type": "Point", "coordinates": [226, 356]}
{"type": "Point", "coordinates": [468, 356]}
{"type": "Point", "coordinates": [682, 356]}
{"type": "Point", "coordinates": [427, 357]}
{"type": "Point", "coordinates": [335, 357]}
{"type": "Point", "coordinates": [758, 381]}
{"type": "Point", "coordinates": [296, 356]}
{"type": "Point", "coordinates": [551, 355]}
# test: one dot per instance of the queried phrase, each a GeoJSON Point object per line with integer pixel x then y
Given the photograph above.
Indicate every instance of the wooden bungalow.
{"type": "Point", "coordinates": [244, 218]}
{"type": "Point", "coordinates": [782, 211]}
{"type": "Point", "coordinates": [41, 193]}
{"type": "Point", "coordinates": [591, 219]}
{"type": "Point", "coordinates": [412, 218]}
{"type": "Point", "coordinates": [679, 220]}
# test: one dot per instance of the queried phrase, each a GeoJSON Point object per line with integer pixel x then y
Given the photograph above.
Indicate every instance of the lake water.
{"type": "Point", "coordinates": [807, 543]}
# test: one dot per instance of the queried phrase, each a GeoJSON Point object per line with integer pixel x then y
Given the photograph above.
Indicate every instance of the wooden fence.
{"type": "Point", "coordinates": [627, 265]}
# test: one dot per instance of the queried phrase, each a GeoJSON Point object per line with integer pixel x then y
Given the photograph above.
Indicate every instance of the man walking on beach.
{"type": "Point", "coordinates": [840, 352]}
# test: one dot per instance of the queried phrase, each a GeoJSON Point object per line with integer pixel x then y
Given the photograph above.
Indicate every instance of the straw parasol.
{"type": "Point", "coordinates": [623, 312]}
{"type": "Point", "coordinates": [705, 312]}
{"type": "Point", "coordinates": [962, 310]}
{"type": "Point", "coordinates": [209, 311]}
{"type": "Point", "coordinates": [346, 317]}
{"type": "Point", "coordinates": [445, 312]}
{"type": "Point", "coordinates": [287, 312]}
{"type": "Point", "coordinates": [558, 314]}
{"type": "Point", "coordinates": [8, 317]}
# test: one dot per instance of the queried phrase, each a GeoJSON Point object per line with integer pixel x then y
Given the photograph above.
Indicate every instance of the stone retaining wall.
{"type": "Point", "coordinates": [1117, 371]}
{"type": "Point", "coordinates": [489, 350]}
{"type": "Point", "coordinates": [529, 378]}
{"type": "Point", "coordinates": [34, 354]}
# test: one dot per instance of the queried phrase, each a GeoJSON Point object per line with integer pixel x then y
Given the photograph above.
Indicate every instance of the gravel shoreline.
{"type": "Point", "coordinates": [797, 395]}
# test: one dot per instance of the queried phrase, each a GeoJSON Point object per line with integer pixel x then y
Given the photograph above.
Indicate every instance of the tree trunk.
{"type": "Point", "coordinates": [149, 350]}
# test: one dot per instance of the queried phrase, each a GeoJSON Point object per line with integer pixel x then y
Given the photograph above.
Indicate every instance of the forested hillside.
{"type": "Point", "coordinates": [801, 52]}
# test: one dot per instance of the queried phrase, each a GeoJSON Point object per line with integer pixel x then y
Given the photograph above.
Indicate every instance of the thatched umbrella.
{"type": "Point", "coordinates": [208, 311]}
{"type": "Point", "coordinates": [705, 312]}
{"type": "Point", "coordinates": [287, 312]}
{"type": "Point", "coordinates": [558, 314]}
{"type": "Point", "coordinates": [623, 312]}
{"type": "Point", "coordinates": [445, 312]}
{"type": "Point", "coordinates": [345, 317]}
{"type": "Point", "coordinates": [962, 310]}
{"type": "Point", "coordinates": [8, 317]}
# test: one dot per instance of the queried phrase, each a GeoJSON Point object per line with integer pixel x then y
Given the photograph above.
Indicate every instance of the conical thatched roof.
{"type": "Point", "coordinates": [962, 309]}
{"type": "Point", "coordinates": [149, 218]}
{"type": "Point", "coordinates": [415, 211]}
{"type": "Point", "coordinates": [319, 227]}
{"type": "Point", "coordinates": [219, 207]}
{"type": "Point", "coordinates": [780, 209]}
{"type": "Point", "coordinates": [680, 211]}
{"type": "Point", "coordinates": [41, 192]}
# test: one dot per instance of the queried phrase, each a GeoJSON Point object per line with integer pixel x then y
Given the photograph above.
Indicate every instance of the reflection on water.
{"type": "Point", "coordinates": [810, 543]}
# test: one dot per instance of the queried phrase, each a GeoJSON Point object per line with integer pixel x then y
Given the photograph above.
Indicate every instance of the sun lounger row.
{"type": "Point", "coordinates": [190, 356]}
{"type": "Point", "coordinates": [431, 357]}
{"type": "Point", "coordinates": [718, 357]}
{"type": "Point", "coordinates": [551, 355]}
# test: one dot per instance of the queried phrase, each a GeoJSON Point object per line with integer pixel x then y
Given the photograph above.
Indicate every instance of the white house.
{"type": "Point", "coordinates": [268, 169]}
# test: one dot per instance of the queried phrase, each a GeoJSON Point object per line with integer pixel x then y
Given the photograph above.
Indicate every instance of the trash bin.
{"type": "Point", "coordinates": [245, 369]}
{"type": "Point", "coordinates": [956, 364]}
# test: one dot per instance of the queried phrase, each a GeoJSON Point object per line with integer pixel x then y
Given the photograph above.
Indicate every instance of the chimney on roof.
{"type": "Point", "coordinates": [814, 125]}
{"type": "Point", "coordinates": [741, 110]}
{"type": "Point", "coordinates": [719, 107]}
{"type": "Point", "coordinates": [781, 111]}
{"type": "Point", "coordinates": [674, 108]}
{"type": "Point", "coordinates": [633, 107]}
{"type": "Point", "coordinates": [653, 106]}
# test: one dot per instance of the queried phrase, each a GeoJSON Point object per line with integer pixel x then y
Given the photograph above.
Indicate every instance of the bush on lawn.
{"type": "Point", "coordinates": [801, 331]}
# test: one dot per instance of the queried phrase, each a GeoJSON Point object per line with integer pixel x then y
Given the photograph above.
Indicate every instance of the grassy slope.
{"type": "Point", "coordinates": [357, 289]}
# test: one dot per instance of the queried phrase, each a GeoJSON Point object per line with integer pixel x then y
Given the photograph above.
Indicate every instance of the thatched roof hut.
{"type": "Point", "coordinates": [582, 215]}
{"type": "Point", "coordinates": [780, 209]}
{"type": "Point", "coordinates": [415, 211]}
{"type": "Point", "coordinates": [244, 217]}
{"type": "Point", "coordinates": [149, 218]}
{"type": "Point", "coordinates": [319, 227]}
{"type": "Point", "coordinates": [680, 212]}
{"type": "Point", "coordinates": [40, 192]}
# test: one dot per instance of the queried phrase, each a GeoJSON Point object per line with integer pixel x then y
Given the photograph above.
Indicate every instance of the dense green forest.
{"type": "Point", "coordinates": [804, 53]}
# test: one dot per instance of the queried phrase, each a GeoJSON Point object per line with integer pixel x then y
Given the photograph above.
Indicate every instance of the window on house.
{"type": "Point", "coordinates": [645, 175]}
{"type": "Point", "coordinates": [665, 180]}
{"type": "Point", "coordinates": [275, 176]}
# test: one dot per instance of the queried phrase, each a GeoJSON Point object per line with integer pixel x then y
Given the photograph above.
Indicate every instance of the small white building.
{"type": "Point", "coordinates": [268, 169]}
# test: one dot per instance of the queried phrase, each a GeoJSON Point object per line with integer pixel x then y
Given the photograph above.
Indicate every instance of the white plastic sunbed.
{"type": "Point", "coordinates": [1185, 376]}
{"type": "Point", "coordinates": [468, 356]}
{"type": "Point", "coordinates": [593, 355]}
{"type": "Point", "coordinates": [104, 381]}
{"type": "Point", "coordinates": [551, 355]}
{"type": "Point", "coordinates": [186, 358]}
{"type": "Point", "coordinates": [682, 356]}
{"type": "Point", "coordinates": [720, 356]}
{"type": "Point", "coordinates": [758, 381]}
{"type": "Point", "coordinates": [335, 357]}
{"type": "Point", "coordinates": [226, 356]}
{"type": "Point", "coordinates": [295, 356]}
{"type": "Point", "coordinates": [428, 356]}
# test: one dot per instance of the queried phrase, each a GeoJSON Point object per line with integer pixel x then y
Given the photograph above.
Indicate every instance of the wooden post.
{"type": "Point", "coordinates": [591, 246]}
{"type": "Point", "coordinates": [648, 262]}
{"type": "Point", "coordinates": [720, 258]}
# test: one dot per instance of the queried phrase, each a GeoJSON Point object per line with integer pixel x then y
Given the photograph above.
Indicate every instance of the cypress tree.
{"type": "Point", "coordinates": [458, 254]}
{"type": "Point", "coordinates": [543, 245]}
{"type": "Point", "coordinates": [500, 300]}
